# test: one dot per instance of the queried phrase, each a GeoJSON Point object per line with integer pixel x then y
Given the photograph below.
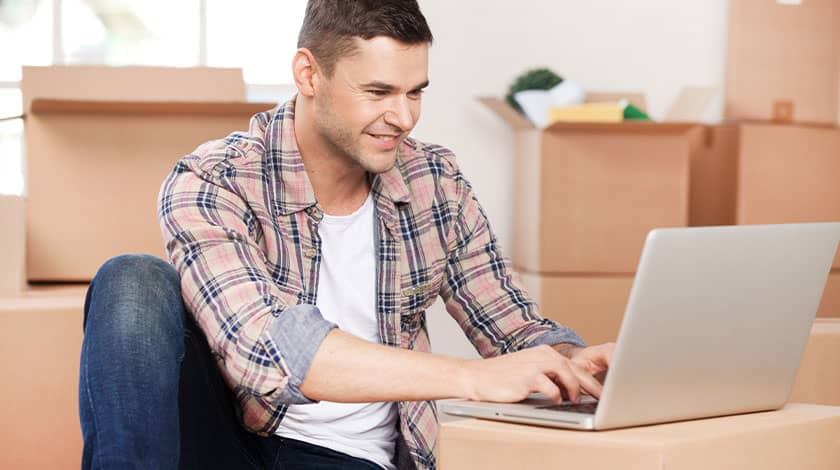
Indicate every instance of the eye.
{"type": "Point", "coordinates": [416, 93]}
{"type": "Point", "coordinates": [378, 92]}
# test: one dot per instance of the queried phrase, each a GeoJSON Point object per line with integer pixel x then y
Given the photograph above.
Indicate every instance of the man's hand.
{"type": "Point", "coordinates": [595, 359]}
{"type": "Point", "coordinates": [512, 377]}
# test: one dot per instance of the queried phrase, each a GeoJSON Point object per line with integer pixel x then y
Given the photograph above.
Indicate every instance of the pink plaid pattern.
{"type": "Point", "coordinates": [240, 222]}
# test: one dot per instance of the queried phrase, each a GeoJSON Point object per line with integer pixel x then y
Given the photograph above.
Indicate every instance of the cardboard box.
{"type": "Point", "coordinates": [783, 61]}
{"type": "Point", "coordinates": [97, 155]}
{"type": "Point", "coordinates": [830, 304]}
{"type": "Point", "coordinates": [40, 343]}
{"type": "Point", "coordinates": [586, 195]}
{"type": "Point", "coordinates": [788, 174]}
{"type": "Point", "coordinates": [714, 169]}
{"type": "Point", "coordinates": [797, 437]}
{"type": "Point", "coordinates": [818, 380]}
{"type": "Point", "coordinates": [592, 305]}
{"type": "Point", "coordinates": [12, 243]}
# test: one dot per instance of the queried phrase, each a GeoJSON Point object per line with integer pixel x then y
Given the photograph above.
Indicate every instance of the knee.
{"type": "Point", "coordinates": [137, 277]}
{"type": "Point", "coordinates": [128, 273]}
{"type": "Point", "coordinates": [137, 294]}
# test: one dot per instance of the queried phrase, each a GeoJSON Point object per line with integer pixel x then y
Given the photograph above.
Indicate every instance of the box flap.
{"type": "Point", "coordinates": [637, 99]}
{"type": "Point", "coordinates": [132, 84]}
{"type": "Point", "coordinates": [691, 104]}
{"type": "Point", "coordinates": [625, 127]}
{"type": "Point", "coordinates": [45, 106]}
{"type": "Point", "coordinates": [506, 112]}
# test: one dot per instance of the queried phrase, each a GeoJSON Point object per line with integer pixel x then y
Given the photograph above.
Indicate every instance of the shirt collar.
{"type": "Point", "coordinates": [295, 191]}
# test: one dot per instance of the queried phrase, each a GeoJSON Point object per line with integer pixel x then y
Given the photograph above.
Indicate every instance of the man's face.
{"type": "Point", "coordinates": [372, 101]}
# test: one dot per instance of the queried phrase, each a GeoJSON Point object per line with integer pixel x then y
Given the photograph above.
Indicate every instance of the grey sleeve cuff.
{"type": "Point", "coordinates": [297, 333]}
{"type": "Point", "coordinates": [558, 335]}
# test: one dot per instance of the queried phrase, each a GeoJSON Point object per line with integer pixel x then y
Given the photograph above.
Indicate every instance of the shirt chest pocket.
{"type": "Point", "coordinates": [417, 297]}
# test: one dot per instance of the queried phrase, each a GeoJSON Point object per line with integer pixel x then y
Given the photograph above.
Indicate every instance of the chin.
{"type": "Point", "coordinates": [379, 163]}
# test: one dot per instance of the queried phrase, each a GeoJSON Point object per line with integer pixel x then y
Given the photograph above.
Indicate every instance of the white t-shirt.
{"type": "Point", "coordinates": [347, 297]}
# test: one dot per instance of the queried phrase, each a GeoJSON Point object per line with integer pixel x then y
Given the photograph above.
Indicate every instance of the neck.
{"type": "Point", "coordinates": [340, 184]}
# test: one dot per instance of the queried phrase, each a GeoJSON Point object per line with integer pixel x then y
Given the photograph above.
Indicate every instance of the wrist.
{"type": "Point", "coordinates": [465, 379]}
{"type": "Point", "coordinates": [568, 350]}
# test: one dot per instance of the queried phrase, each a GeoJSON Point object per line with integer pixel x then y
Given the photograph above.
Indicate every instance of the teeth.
{"type": "Point", "coordinates": [385, 138]}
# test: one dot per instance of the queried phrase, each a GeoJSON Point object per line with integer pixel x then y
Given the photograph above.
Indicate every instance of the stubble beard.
{"type": "Point", "coordinates": [344, 143]}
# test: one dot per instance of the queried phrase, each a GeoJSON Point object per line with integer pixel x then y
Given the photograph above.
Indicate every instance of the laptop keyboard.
{"type": "Point", "coordinates": [588, 408]}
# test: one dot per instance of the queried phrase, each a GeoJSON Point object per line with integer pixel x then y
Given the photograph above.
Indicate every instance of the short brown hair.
{"type": "Point", "coordinates": [330, 26]}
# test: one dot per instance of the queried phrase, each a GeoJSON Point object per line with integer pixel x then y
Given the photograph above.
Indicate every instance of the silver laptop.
{"type": "Point", "coordinates": [716, 324]}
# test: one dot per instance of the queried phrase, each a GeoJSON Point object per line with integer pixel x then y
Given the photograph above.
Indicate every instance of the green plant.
{"type": "Point", "coordinates": [535, 79]}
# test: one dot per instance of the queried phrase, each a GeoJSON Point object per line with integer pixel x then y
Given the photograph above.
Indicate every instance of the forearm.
{"type": "Point", "coordinates": [351, 370]}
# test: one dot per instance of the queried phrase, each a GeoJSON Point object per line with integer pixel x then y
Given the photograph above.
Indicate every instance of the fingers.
{"type": "Point", "coordinates": [595, 359]}
{"type": "Point", "coordinates": [603, 356]}
{"type": "Point", "coordinates": [601, 377]}
{"type": "Point", "coordinates": [548, 388]}
{"type": "Point", "coordinates": [562, 374]}
{"type": "Point", "coordinates": [574, 379]}
{"type": "Point", "coordinates": [587, 381]}
{"type": "Point", "coordinates": [609, 348]}
{"type": "Point", "coordinates": [605, 352]}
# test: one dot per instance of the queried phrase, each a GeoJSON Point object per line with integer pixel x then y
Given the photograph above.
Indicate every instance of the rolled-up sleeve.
{"type": "Point", "coordinates": [264, 345]}
{"type": "Point", "coordinates": [298, 334]}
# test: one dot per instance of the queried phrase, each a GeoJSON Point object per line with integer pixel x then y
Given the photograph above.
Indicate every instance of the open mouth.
{"type": "Point", "coordinates": [385, 142]}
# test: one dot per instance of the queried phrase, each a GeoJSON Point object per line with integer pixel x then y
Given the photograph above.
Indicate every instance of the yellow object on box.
{"type": "Point", "coordinates": [587, 112]}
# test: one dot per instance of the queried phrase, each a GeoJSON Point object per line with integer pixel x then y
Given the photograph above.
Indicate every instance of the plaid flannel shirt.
{"type": "Point", "coordinates": [240, 221]}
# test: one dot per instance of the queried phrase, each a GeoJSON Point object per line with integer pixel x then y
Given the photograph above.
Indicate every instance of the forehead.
{"type": "Point", "coordinates": [386, 60]}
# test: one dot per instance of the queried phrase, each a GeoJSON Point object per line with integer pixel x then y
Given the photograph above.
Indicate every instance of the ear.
{"type": "Point", "coordinates": [305, 71]}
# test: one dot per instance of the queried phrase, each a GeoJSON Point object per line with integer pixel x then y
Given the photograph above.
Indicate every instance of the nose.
{"type": "Point", "coordinates": [400, 114]}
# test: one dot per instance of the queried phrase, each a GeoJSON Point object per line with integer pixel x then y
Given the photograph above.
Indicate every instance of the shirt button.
{"type": "Point", "coordinates": [310, 252]}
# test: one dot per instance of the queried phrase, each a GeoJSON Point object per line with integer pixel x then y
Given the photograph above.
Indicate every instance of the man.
{"type": "Point", "coordinates": [306, 252]}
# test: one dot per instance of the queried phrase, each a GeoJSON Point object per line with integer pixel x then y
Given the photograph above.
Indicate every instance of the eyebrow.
{"type": "Point", "coordinates": [388, 87]}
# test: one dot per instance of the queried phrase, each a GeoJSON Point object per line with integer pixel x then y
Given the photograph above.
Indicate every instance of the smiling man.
{"type": "Point", "coordinates": [289, 330]}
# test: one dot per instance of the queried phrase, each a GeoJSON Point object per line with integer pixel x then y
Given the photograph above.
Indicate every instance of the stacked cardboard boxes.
{"type": "Point", "coordinates": [587, 194]}
{"type": "Point", "coordinates": [40, 342]}
{"type": "Point", "coordinates": [769, 173]}
{"type": "Point", "coordinates": [586, 197]}
{"type": "Point", "coordinates": [40, 339]}
{"type": "Point", "coordinates": [576, 242]}
{"type": "Point", "coordinates": [99, 141]}
{"type": "Point", "coordinates": [782, 75]}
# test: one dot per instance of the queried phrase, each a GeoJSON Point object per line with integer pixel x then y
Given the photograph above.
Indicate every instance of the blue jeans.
{"type": "Point", "coordinates": [150, 394]}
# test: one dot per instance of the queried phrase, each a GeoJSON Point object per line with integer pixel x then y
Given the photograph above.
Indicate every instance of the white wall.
{"type": "Point", "coordinates": [653, 46]}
